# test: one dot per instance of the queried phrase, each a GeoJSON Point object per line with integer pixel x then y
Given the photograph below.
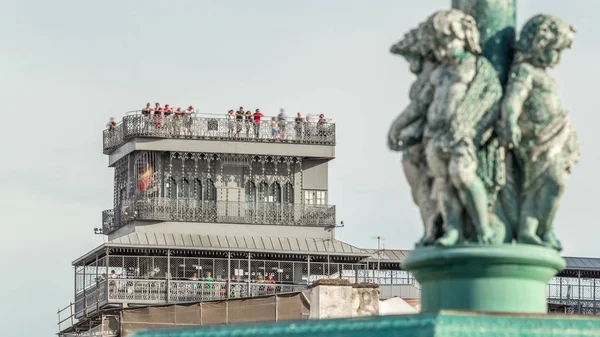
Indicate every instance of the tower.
{"type": "Point", "coordinates": [211, 208]}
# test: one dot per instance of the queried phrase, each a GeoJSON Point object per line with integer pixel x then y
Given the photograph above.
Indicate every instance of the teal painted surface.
{"type": "Point", "coordinates": [495, 278]}
{"type": "Point", "coordinates": [496, 20]}
{"type": "Point", "coordinates": [444, 324]}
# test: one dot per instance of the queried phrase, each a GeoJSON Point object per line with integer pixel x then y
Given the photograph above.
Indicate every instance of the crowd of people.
{"type": "Point", "coordinates": [238, 120]}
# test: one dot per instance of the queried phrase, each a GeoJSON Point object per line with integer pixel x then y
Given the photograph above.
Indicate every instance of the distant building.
{"type": "Point", "coordinates": [210, 209]}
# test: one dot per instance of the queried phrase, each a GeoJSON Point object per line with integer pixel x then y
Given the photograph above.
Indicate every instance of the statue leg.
{"type": "Point", "coordinates": [549, 196]}
{"type": "Point", "coordinates": [420, 184]}
{"type": "Point", "coordinates": [446, 195]}
{"type": "Point", "coordinates": [471, 190]}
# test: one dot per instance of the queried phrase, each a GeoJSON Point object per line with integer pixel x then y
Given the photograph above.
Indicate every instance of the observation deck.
{"type": "Point", "coordinates": [258, 138]}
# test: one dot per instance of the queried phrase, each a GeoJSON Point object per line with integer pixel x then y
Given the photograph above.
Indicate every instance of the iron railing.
{"type": "Point", "coordinates": [163, 291]}
{"type": "Point", "coordinates": [216, 128]}
{"type": "Point", "coordinates": [192, 210]}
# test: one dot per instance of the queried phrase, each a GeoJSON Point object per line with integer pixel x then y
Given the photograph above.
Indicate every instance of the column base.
{"type": "Point", "coordinates": [510, 278]}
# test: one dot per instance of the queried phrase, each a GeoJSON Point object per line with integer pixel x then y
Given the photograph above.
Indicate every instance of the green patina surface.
{"type": "Point", "coordinates": [444, 324]}
{"type": "Point", "coordinates": [495, 278]}
{"type": "Point", "coordinates": [496, 20]}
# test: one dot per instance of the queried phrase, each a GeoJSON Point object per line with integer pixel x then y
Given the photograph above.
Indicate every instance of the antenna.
{"type": "Point", "coordinates": [379, 249]}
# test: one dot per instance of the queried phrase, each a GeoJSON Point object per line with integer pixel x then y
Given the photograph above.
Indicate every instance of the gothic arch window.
{"type": "Point", "coordinates": [263, 192]}
{"type": "Point", "coordinates": [250, 191]}
{"type": "Point", "coordinates": [275, 192]}
{"type": "Point", "coordinates": [183, 189]}
{"type": "Point", "coordinates": [210, 192]}
{"type": "Point", "coordinates": [288, 193]}
{"type": "Point", "coordinates": [197, 189]}
{"type": "Point", "coordinates": [170, 188]}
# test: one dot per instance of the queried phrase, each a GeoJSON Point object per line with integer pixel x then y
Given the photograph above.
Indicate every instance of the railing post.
{"type": "Point", "coordinates": [168, 277]}
{"type": "Point", "coordinates": [228, 284]}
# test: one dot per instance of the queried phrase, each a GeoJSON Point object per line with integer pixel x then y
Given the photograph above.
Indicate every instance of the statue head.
{"type": "Point", "coordinates": [451, 35]}
{"type": "Point", "coordinates": [409, 48]}
{"type": "Point", "coordinates": [542, 40]}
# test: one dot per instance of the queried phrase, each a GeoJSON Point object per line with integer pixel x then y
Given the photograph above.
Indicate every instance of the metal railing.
{"type": "Point", "coordinates": [216, 128]}
{"type": "Point", "coordinates": [162, 291]}
{"type": "Point", "coordinates": [191, 210]}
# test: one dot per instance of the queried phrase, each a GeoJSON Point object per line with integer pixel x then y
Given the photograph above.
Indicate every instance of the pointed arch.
{"type": "Point", "coordinates": [198, 189]}
{"type": "Point", "coordinates": [263, 192]}
{"type": "Point", "coordinates": [210, 191]}
{"type": "Point", "coordinates": [275, 192]}
{"type": "Point", "coordinates": [250, 191]}
{"type": "Point", "coordinates": [288, 193]}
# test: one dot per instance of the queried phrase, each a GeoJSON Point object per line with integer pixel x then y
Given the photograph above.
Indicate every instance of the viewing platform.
{"type": "Point", "coordinates": [213, 127]}
{"type": "Point", "coordinates": [191, 210]}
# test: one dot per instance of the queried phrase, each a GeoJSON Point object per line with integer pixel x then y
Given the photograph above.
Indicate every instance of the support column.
{"type": "Point", "coordinates": [496, 20]}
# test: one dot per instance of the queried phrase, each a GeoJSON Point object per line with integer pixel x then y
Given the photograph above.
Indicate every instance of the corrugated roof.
{"type": "Point", "coordinates": [388, 255]}
{"type": "Point", "coordinates": [261, 243]}
{"type": "Point", "coordinates": [582, 263]}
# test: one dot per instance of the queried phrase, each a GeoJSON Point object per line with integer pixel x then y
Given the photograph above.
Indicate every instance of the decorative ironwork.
{"type": "Point", "coordinates": [193, 210]}
{"type": "Point", "coordinates": [211, 128]}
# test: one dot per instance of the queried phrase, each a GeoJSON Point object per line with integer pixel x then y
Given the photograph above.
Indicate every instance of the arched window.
{"type": "Point", "coordinates": [275, 192]}
{"type": "Point", "coordinates": [170, 188]}
{"type": "Point", "coordinates": [210, 192]}
{"type": "Point", "coordinates": [263, 192]}
{"type": "Point", "coordinates": [183, 189]}
{"type": "Point", "coordinates": [250, 192]}
{"type": "Point", "coordinates": [288, 193]}
{"type": "Point", "coordinates": [197, 189]}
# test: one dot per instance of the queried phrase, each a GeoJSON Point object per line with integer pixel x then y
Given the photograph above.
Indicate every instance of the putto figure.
{"type": "Point", "coordinates": [537, 127]}
{"type": "Point", "coordinates": [406, 132]}
{"type": "Point", "coordinates": [457, 101]}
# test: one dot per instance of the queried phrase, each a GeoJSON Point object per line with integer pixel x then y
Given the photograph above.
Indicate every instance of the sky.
{"type": "Point", "coordinates": [68, 66]}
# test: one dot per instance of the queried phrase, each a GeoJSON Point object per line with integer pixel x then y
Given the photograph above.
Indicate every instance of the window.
{"type": "Point", "coordinates": [250, 192]}
{"type": "Point", "coordinates": [211, 190]}
{"type": "Point", "coordinates": [263, 192]}
{"type": "Point", "coordinates": [315, 197]}
{"type": "Point", "coordinates": [275, 192]}
{"type": "Point", "coordinates": [288, 193]}
{"type": "Point", "coordinates": [197, 189]}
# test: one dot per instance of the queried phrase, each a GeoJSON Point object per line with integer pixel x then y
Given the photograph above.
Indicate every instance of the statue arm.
{"type": "Point", "coordinates": [518, 89]}
{"type": "Point", "coordinates": [415, 110]}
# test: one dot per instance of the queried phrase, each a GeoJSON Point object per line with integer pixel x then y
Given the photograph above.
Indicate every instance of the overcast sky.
{"type": "Point", "coordinates": [67, 66]}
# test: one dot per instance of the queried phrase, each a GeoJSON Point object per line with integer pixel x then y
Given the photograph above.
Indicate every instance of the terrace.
{"type": "Point", "coordinates": [193, 210]}
{"type": "Point", "coordinates": [213, 127]}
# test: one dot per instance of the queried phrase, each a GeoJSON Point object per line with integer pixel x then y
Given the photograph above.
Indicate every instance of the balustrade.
{"type": "Point", "coordinates": [191, 210]}
{"type": "Point", "coordinates": [201, 127]}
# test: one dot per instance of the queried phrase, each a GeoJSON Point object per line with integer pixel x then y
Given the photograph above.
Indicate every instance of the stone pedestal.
{"type": "Point", "coordinates": [501, 278]}
{"type": "Point", "coordinates": [339, 299]}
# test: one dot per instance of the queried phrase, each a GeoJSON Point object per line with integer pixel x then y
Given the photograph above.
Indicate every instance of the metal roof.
{"type": "Point", "coordinates": [573, 263]}
{"type": "Point", "coordinates": [222, 242]}
{"type": "Point", "coordinates": [583, 263]}
{"type": "Point", "coordinates": [388, 255]}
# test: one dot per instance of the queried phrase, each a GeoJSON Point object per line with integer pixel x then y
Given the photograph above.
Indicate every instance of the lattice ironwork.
{"type": "Point", "coordinates": [198, 127]}
{"type": "Point", "coordinates": [192, 210]}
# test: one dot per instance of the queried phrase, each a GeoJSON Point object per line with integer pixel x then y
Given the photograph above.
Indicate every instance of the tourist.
{"type": "Point", "coordinates": [270, 279]}
{"type": "Point", "coordinates": [167, 111]}
{"type": "Point", "coordinates": [113, 274]}
{"type": "Point", "coordinates": [299, 121]}
{"type": "Point", "coordinates": [146, 111]}
{"type": "Point", "coordinates": [208, 277]}
{"type": "Point", "coordinates": [274, 128]}
{"type": "Point", "coordinates": [321, 126]}
{"type": "Point", "coordinates": [257, 115]}
{"type": "Point", "coordinates": [112, 124]}
{"type": "Point", "coordinates": [281, 119]}
{"type": "Point", "coordinates": [188, 120]}
{"type": "Point", "coordinates": [194, 277]}
{"type": "Point", "coordinates": [248, 122]}
{"type": "Point", "coordinates": [157, 114]}
{"type": "Point", "coordinates": [239, 119]}
{"type": "Point", "coordinates": [231, 121]}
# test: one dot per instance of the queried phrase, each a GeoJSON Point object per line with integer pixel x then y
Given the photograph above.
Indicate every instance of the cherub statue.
{"type": "Point", "coordinates": [537, 127]}
{"type": "Point", "coordinates": [465, 91]}
{"type": "Point", "coordinates": [406, 132]}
